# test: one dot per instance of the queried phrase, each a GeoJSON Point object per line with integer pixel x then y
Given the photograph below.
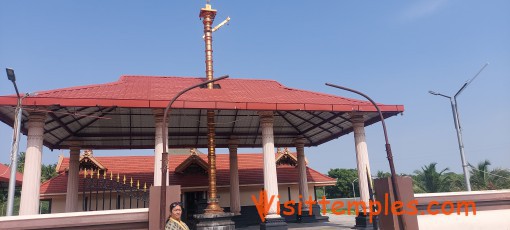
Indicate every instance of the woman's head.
{"type": "Point", "coordinates": [176, 210]}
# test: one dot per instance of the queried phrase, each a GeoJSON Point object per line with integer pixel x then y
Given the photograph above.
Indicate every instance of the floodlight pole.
{"type": "Point", "coordinates": [164, 154]}
{"type": "Point", "coordinates": [456, 121]}
{"type": "Point", "coordinates": [389, 155]}
{"type": "Point", "coordinates": [15, 144]}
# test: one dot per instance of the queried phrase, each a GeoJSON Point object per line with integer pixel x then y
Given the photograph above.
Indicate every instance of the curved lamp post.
{"type": "Point", "coordinates": [389, 155]}
{"type": "Point", "coordinates": [164, 154]}
{"type": "Point", "coordinates": [15, 144]}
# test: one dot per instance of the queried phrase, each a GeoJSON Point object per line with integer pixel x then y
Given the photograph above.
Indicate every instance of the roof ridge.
{"type": "Point", "coordinates": [195, 77]}
{"type": "Point", "coordinates": [157, 76]}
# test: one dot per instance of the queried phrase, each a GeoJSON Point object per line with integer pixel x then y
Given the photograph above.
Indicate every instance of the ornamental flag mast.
{"type": "Point", "coordinates": [207, 15]}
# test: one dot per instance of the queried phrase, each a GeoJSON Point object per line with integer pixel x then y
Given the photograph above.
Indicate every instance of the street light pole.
{"type": "Point", "coordinates": [456, 121]}
{"type": "Point", "coordinates": [389, 155]}
{"type": "Point", "coordinates": [354, 191]}
{"type": "Point", "coordinates": [164, 154]}
{"type": "Point", "coordinates": [15, 144]}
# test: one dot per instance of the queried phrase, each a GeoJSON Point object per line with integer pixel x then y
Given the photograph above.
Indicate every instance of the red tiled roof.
{"type": "Point", "coordinates": [142, 167]}
{"type": "Point", "coordinates": [155, 92]}
{"type": "Point", "coordinates": [5, 174]}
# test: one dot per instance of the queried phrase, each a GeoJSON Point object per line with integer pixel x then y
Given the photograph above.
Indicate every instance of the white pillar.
{"type": "Point", "coordinates": [361, 156]}
{"type": "Point", "coordinates": [158, 146]}
{"type": "Point", "coordinates": [235, 200]}
{"type": "Point", "coordinates": [270, 179]}
{"type": "Point", "coordinates": [72, 179]}
{"type": "Point", "coordinates": [29, 204]}
{"type": "Point", "coordinates": [301, 166]}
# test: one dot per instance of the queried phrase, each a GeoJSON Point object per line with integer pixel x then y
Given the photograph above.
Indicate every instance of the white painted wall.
{"type": "Point", "coordinates": [493, 219]}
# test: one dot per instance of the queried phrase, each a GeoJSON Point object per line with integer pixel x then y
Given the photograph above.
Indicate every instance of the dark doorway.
{"type": "Point", "coordinates": [194, 203]}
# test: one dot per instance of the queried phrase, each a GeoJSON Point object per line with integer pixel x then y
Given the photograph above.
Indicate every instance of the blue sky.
{"type": "Point", "coordinates": [394, 51]}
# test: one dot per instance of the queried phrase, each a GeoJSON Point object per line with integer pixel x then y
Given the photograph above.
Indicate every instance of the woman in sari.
{"type": "Point", "coordinates": [174, 222]}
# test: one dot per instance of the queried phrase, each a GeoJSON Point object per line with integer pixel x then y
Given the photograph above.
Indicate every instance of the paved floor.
{"type": "Point", "coordinates": [335, 222]}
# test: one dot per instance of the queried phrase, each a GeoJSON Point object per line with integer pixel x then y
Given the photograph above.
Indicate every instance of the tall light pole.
{"type": "Point", "coordinates": [354, 191]}
{"type": "Point", "coordinates": [164, 154]}
{"type": "Point", "coordinates": [15, 144]}
{"type": "Point", "coordinates": [456, 121]}
{"type": "Point", "coordinates": [389, 155]}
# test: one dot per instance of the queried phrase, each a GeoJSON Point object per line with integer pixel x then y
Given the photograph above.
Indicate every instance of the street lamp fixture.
{"type": "Point", "coordinates": [12, 77]}
{"type": "Point", "coordinates": [10, 74]}
{"type": "Point", "coordinates": [164, 154]}
{"type": "Point", "coordinates": [456, 120]}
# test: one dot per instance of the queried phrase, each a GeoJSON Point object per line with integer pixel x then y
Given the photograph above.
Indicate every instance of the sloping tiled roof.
{"type": "Point", "coordinates": [142, 167]}
{"type": "Point", "coordinates": [5, 174]}
{"type": "Point", "coordinates": [120, 115]}
{"type": "Point", "coordinates": [156, 91]}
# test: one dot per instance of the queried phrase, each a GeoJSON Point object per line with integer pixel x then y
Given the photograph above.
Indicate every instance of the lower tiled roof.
{"type": "Point", "coordinates": [141, 168]}
{"type": "Point", "coordinates": [5, 174]}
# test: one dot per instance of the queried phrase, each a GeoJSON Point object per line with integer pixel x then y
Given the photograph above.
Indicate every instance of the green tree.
{"type": "Point", "coordinates": [344, 179]}
{"type": "Point", "coordinates": [454, 182]}
{"type": "Point", "coordinates": [480, 179]}
{"type": "Point", "coordinates": [48, 172]}
{"type": "Point", "coordinates": [382, 174]}
{"type": "Point", "coordinates": [21, 162]}
{"type": "Point", "coordinates": [500, 178]}
{"type": "Point", "coordinates": [429, 179]}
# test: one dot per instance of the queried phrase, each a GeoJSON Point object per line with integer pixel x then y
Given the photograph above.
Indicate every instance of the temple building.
{"type": "Point", "coordinates": [189, 170]}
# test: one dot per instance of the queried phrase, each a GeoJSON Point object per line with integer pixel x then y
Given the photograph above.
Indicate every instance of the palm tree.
{"type": "Point", "coordinates": [484, 179]}
{"type": "Point", "coordinates": [480, 176]}
{"type": "Point", "coordinates": [430, 180]}
{"type": "Point", "coordinates": [500, 178]}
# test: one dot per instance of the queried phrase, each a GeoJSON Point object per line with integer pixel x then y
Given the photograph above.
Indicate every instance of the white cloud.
{"type": "Point", "coordinates": [423, 8]}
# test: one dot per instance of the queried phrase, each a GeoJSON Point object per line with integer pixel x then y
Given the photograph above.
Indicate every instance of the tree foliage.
{"type": "Point", "coordinates": [47, 171]}
{"type": "Point", "coordinates": [344, 182]}
{"type": "Point", "coordinates": [482, 178]}
{"type": "Point", "coordinates": [428, 179]}
{"type": "Point", "coordinates": [382, 174]}
{"type": "Point", "coordinates": [21, 162]}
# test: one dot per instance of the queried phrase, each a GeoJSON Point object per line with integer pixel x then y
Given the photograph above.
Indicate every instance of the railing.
{"type": "Point", "coordinates": [103, 193]}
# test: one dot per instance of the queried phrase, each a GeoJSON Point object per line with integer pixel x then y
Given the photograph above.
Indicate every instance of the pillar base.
{"type": "Point", "coordinates": [363, 221]}
{"type": "Point", "coordinates": [220, 221]}
{"type": "Point", "coordinates": [305, 218]}
{"type": "Point", "coordinates": [274, 224]}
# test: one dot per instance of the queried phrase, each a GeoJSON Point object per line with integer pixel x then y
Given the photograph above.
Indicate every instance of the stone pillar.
{"type": "Point", "coordinates": [301, 166]}
{"type": "Point", "coordinates": [158, 146]}
{"type": "Point", "coordinates": [72, 178]}
{"type": "Point", "coordinates": [235, 200]}
{"type": "Point", "coordinates": [361, 156]}
{"type": "Point", "coordinates": [29, 204]}
{"type": "Point", "coordinates": [270, 179]}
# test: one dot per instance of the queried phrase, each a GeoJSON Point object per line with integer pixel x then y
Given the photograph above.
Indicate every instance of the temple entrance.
{"type": "Point", "coordinates": [194, 203]}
